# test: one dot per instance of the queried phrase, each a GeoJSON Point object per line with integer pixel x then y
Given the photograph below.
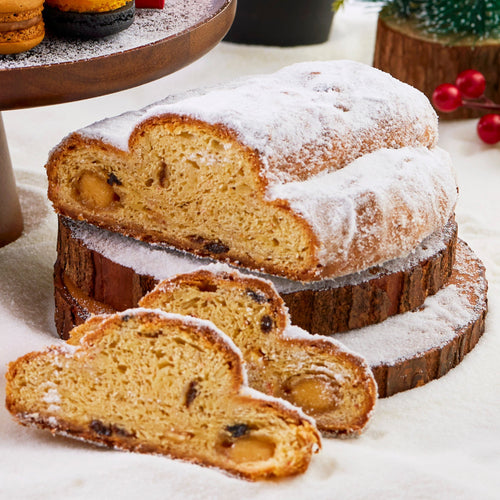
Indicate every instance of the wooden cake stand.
{"type": "Point", "coordinates": [52, 82]}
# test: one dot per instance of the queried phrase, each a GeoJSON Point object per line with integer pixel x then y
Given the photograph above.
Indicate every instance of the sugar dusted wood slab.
{"type": "Point", "coordinates": [411, 349]}
{"type": "Point", "coordinates": [404, 351]}
{"type": "Point", "coordinates": [99, 274]}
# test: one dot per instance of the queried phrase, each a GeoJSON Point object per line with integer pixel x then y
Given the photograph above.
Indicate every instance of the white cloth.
{"type": "Point", "coordinates": [440, 441]}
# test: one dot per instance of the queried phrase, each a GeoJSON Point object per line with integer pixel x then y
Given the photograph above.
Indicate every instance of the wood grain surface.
{"type": "Point", "coordinates": [425, 64]}
{"type": "Point", "coordinates": [57, 83]}
{"type": "Point", "coordinates": [109, 285]}
{"type": "Point", "coordinates": [73, 307]}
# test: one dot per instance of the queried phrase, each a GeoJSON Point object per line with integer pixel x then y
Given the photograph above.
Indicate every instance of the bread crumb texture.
{"type": "Point", "coordinates": [321, 169]}
{"type": "Point", "coordinates": [153, 382]}
{"type": "Point", "coordinates": [327, 381]}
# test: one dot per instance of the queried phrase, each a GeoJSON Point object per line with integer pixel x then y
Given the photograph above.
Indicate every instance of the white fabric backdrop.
{"type": "Point", "coordinates": [440, 441]}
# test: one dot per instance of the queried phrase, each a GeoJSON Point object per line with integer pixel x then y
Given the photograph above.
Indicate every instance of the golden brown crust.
{"type": "Point", "coordinates": [242, 433]}
{"type": "Point", "coordinates": [136, 173]}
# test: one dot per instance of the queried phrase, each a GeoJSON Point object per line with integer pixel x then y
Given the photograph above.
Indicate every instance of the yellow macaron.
{"type": "Point", "coordinates": [86, 5]}
{"type": "Point", "coordinates": [21, 25]}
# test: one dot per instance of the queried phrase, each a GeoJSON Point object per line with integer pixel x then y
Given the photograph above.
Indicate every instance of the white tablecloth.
{"type": "Point", "coordinates": [440, 441]}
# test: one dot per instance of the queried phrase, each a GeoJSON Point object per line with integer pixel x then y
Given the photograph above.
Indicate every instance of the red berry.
{"type": "Point", "coordinates": [488, 128]}
{"type": "Point", "coordinates": [447, 97]}
{"type": "Point", "coordinates": [471, 83]}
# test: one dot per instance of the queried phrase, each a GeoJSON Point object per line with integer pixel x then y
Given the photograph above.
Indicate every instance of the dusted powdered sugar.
{"type": "Point", "coordinates": [52, 394]}
{"type": "Point", "coordinates": [163, 263]}
{"type": "Point", "coordinates": [434, 325]}
{"type": "Point", "coordinates": [416, 185]}
{"type": "Point", "coordinates": [299, 118]}
{"type": "Point", "coordinates": [313, 126]}
{"type": "Point", "coordinates": [149, 26]}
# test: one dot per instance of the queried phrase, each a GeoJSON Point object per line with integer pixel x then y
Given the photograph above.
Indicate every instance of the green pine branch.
{"type": "Point", "coordinates": [460, 18]}
{"type": "Point", "coordinates": [479, 18]}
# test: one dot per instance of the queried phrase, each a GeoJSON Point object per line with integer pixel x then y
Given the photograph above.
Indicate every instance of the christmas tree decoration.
{"type": "Point", "coordinates": [426, 42]}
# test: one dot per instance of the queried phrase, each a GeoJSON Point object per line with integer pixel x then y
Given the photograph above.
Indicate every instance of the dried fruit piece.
{"type": "Point", "coordinates": [112, 179]}
{"type": "Point", "coordinates": [94, 191]}
{"type": "Point", "coordinates": [216, 247]}
{"type": "Point", "coordinates": [314, 393]}
{"type": "Point", "coordinates": [260, 298]}
{"type": "Point", "coordinates": [237, 430]}
{"type": "Point", "coordinates": [191, 392]}
{"type": "Point", "coordinates": [266, 323]}
{"type": "Point", "coordinates": [250, 449]}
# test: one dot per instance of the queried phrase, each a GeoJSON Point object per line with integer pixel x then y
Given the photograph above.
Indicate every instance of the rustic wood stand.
{"type": "Point", "coordinates": [55, 83]}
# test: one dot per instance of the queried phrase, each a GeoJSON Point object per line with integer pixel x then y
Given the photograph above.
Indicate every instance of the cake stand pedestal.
{"type": "Point", "coordinates": [28, 85]}
{"type": "Point", "coordinates": [11, 219]}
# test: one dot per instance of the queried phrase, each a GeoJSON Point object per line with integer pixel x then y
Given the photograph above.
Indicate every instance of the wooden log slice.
{"type": "Point", "coordinates": [411, 349]}
{"type": "Point", "coordinates": [115, 272]}
{"type": "Point", "coordinates": [425, 61]}
{"type": "Point", "coordinates": [404, 351]}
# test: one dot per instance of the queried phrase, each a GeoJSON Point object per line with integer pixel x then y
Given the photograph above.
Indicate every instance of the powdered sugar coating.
{"type": "Point", "coordinates": [299, 118]}
{"type": "Point", "coordinates": [149, 26]}
{"type": "Point", "coordinates": [248, 391]}
{"type": "Point", "coordinates": [294, 332]}
{"type": "Point", "coordinates": [347, 147]}
{"type": "Point", "coordinates": [416, 183]}
{"type": "Point", "coordinates": [434, 325]}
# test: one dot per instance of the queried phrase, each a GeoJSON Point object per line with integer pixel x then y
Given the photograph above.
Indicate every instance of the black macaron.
{"type": "Point", "coordinates": [89, 24]}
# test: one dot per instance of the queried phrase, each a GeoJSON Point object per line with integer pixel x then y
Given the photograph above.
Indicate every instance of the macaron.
{"type": "Point", "coordinates": [21, 25]}
{"type": "Point", "coordinates": [88, 18]}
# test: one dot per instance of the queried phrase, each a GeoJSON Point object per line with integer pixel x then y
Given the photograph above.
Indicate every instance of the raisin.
{"type": "Point", "coordinates": [99, 428]}
{"type": "Point", "coordinates": [108, 430]}
{"type": "Point", "coordinates": [191, 393]}
{"type": "Point", "coordinates": [256, 296]}
{"type": "Point", "coordinates": [163, 175]}
{"type": "Point", "coordinates": [112, 179]}
{"type": "Point", "coordinates": [237, 430]}
{"type": "Point", "coordinates": [210, 246]}
{"type": "Point", "coordinates": [199, 240]}
{"type": "Point", "coordinates": [266, 324]}
{"type": "Point", "coordinates": [216, 247]}
{"type": "Point", "coordinates": [151, 335]}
